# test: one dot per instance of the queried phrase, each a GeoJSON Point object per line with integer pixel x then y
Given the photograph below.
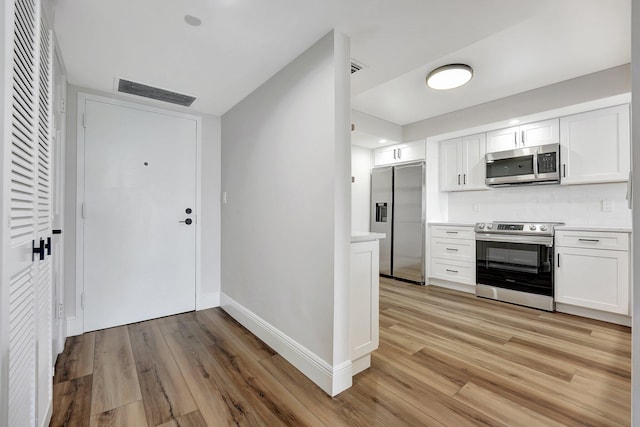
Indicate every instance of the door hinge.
{"type": "Point", "coordinates": [60, 311]}
{"type": "Point", "coordinates": [82, 300]}
{"type": "Point", "coordinates": [63, 105]}
{"type": "Point", "coordinates": [84, 120]}
{"type": "Point", "coordinates": [82, 213]}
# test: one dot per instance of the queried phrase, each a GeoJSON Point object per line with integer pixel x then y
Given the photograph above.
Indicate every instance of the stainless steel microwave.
{"type": "Point", "coordinates": [528, 165]}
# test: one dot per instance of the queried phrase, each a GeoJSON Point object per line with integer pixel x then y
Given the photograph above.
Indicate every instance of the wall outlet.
{"type": "Point", "coordinates": [607, 206]}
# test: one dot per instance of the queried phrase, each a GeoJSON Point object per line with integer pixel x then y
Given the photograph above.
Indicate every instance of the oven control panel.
{"type": "Point", "coordinates": [546, 229]}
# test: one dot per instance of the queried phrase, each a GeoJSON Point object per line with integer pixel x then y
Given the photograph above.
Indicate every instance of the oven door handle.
{"type": "Point", "coordinates": [532, 240]}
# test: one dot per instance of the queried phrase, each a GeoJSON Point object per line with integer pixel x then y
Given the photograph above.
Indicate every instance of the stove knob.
{"type": "Point", "coordinates": [543, 228]}
{"type": "Point", "coordinates": [532, 227]}
{"type": "Point", "coordinates": [489, 226]}
{"type": "Point", "coordinates": [480, 226]}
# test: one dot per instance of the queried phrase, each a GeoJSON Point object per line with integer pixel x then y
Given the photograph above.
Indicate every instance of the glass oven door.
{"type": "Point", "coordinates": [526, 267]}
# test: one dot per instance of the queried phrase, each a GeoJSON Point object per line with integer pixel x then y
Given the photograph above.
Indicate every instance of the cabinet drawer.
{"type": "Point", "coordinates": [593, 240]}
{"type": "Point", "coordinates": [455, 271]}
{"type": "Point", "coordinates": [451, 232]}
{"type": "Point", "coordinates": [454, 249]}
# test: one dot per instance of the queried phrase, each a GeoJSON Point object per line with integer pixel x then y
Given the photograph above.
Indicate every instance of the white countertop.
{"type": "Point", "coordinates": [455, 224]}
{"type": "Point", "coordinates": [593, 228]}
{"type": "Point", "coordinates": [365, 236]}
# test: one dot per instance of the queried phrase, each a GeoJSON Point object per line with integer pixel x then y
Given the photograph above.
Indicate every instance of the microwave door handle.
{"type": "Point", "coordinates": [535, 165]}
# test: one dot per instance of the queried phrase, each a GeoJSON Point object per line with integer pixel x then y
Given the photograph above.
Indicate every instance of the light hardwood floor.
{"type": "Point", "coordinates": [445, 359]}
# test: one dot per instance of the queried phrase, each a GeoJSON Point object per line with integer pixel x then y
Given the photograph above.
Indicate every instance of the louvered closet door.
{"type": "Point", "coordinates": [44, 277]}
{"type": "Point", "coordinates": [27, 166]}
{"type": "Point", "coordinates": [22, 166]}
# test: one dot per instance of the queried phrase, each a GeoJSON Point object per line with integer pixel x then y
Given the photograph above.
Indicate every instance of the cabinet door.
{"type": "Point", "coordinates": [595, 146]}
{"type": "Point", "coordinates": [540, 133]}
{"type": "Point", "coordinates": [450, 159]}
{"type": "Point", "coordinates": [364, 299]}
{"type": "Point", "coordinates": [385, 156]}
{"type": "Point", "coordinates": [503, 139]}
{"type": "Point", "coordinates": [410, 152]}
{"type": "Point", "coordinates": [473, 162]}
{"type": "Point", "coordinates": [593, 278]}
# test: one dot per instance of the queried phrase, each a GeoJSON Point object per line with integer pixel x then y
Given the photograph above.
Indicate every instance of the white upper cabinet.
{"type": "Point", "coordinates": [595, 146]}
{"type": "Point", "coordinates": [400, 153]}
{"type": "Point", "coordinates": [503, 139]}
{"type": "Point", "coordinates": [462, 165]}
{"type": "Point", "coordinates": [527, 135]}
{"type": "Point", "coordinates": [450, 164]}
{"type": "Point", "coordinates": [473, 163]}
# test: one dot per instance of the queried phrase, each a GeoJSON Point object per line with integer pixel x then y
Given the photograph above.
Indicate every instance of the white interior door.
{"type": "Point", "coordinates": [139, 237]}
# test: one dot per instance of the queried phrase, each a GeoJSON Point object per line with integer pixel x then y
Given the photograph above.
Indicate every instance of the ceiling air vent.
{"type": "Point", "coordinates": [355, 67]}
{"type": "Point", "coordinates": [133, 88]}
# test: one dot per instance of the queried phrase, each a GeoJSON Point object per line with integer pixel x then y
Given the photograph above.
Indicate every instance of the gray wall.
{"type": "Point", "coordinates": [286, 223]}
{"type": "Point", "coordinates": [210, 197]}
{"type": "Point", "coordinates": [613, 81]}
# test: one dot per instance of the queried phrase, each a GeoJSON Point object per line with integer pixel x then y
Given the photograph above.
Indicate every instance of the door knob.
{"type": "Point", "coordinates": [188, 211]}
{"type": "Point", "coordinates": [187, 221]}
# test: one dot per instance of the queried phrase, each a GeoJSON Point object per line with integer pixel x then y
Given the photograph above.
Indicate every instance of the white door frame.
{"type": "Point", "coordinates": [59, 328]}
{"type": "Point", "coordinates": [76, 326]}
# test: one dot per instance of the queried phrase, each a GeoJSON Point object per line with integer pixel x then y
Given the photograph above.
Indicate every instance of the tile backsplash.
{"type": "Point", "coordinates": [590, 204]}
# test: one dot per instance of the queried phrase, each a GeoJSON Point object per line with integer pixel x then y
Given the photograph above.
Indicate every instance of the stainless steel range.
{"type": "Point", "coordinates": [515, 262]}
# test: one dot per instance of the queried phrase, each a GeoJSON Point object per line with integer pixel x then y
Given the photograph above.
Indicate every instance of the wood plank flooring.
{"type": "Point", "coordinates": [445, 359]}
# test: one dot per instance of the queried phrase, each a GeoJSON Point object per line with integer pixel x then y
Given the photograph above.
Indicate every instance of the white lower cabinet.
{"type": "Point", "coordinates": [364, 303]}
{"type": "Point", "coordinates": [592, 270]}
{"type": "Point", "coordinates": [453, 254]}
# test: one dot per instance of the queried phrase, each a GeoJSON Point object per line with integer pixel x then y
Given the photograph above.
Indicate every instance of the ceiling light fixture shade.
{"type": "Point", "coordinates": [449, 76]}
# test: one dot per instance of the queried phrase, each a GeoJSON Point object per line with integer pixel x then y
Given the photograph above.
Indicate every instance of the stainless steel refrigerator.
{"type": "Point", "coordinates": [398, 210]}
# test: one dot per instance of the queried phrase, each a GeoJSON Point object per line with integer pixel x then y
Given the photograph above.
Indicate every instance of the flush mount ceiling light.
{"type": "Point", "coordinates": [194, 21]}
{"type": "Point", "coordinates": [449, 76]}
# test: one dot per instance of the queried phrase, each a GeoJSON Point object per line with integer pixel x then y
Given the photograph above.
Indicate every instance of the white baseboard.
{"type": "Point", "coordinates": [331, 379]}
{"type": "Point", "coordinates": [618, 319]}
{"type": "Point", "coordinates": [208, 300]}
{"type": "Point", "coordinates": [462, 287]}
{"type": "Point", "coordinates": [74, 326]}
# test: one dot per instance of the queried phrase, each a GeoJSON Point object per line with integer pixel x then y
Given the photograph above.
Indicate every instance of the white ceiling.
{"type": "Point", "coordinates": [513, 46]}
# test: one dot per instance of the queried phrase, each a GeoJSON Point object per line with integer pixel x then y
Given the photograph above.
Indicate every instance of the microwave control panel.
{"type": "Point", "coordinates": [547, 163]}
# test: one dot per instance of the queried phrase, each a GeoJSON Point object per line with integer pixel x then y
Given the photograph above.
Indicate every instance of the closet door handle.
{"type": "Point", "coordinates": [564, 170]}
{"type": "Point", "coordinates": [37, 250]}
{"type": "Point", "coordinates": [558, 261]}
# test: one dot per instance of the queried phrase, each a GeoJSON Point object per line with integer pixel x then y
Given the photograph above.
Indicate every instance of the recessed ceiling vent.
{"type": "Point", "coordinates": [133, 88]}
{"type": "Point", "coordinates": [355, 67]}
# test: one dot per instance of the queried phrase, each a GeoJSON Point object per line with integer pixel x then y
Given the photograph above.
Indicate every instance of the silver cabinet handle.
{"type": "Point", "coordinates": [394, 153]}
{"type": "Point", "coordinates": [452, 249]}
{"type": "Point", "coordinates": [589, 240]}
{"type": "Point", "coordinates": [564, 170]}
{"type": "Point", "coordinates": [458, 179]}
{"type": "Point", "coordinates": [464, 181]}
{"type": "Point", "coordinates": [399, 153]}
{"type": "Point", "coordinates": [558, 260]}
{"type": "Point", "coordinates": [522, 140]}
{"type": "Point", "coordinates": [451, 232]}
{"type": "Point", "coordinates": [452, 271]}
